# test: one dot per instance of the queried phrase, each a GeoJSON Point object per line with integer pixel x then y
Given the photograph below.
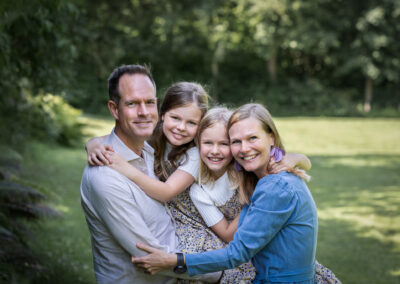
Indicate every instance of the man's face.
{"type": "Point", "coordinates": [136, 114]}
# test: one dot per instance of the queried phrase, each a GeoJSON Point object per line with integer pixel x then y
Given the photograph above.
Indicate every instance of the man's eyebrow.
{"type": "Point", "coordinates": [131, 101]}
{"type": "Point", "coordinates": [138, 101]}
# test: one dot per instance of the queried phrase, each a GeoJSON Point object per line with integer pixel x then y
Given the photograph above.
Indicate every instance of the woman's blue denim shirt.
{"type": "Point", "coordinates": [277, 231]}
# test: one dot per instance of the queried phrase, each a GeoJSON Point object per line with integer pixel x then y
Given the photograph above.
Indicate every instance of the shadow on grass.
{"type": "Point", "coordinates": [355, 258]}
{"type": "Point", "coordinates": [358, 200]}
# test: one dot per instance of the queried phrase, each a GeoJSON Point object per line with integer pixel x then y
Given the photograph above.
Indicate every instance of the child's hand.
{"type": "Point", "coordinates": [288, 163]}
{"type": "Point", "coordinates": [100, 155]}
{"type": "Point", "coordinates": [118, 163]}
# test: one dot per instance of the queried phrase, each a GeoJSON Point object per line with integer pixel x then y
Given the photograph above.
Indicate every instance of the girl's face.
{"type": "Point", "coordinates": [214, 149]}
{"type": "Point", "coordinates": [181, 123]}
{"type": "Point", "coordinates": [250, 145]}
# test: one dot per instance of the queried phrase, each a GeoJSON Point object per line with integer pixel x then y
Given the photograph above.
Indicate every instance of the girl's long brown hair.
{"type": "Point", "coordinates": [178, 95]}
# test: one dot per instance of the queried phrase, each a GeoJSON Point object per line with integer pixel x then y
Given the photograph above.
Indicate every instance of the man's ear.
{"type": "Point", "coordinates": [112, 106]}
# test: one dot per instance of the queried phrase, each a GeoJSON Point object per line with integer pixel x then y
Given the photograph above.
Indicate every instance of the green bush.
{"type": "Point", "coordinates": [52, 118]}
{"type": "Point", "coordinates": [46, 117]}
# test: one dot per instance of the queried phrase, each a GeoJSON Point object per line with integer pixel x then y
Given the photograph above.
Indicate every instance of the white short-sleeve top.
{"type": "Point", "coordinates": [189, 163]}
{"type": "Point", "coordinates": [208, 197]}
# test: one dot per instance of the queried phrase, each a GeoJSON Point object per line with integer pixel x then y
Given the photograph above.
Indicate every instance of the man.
{"type": "Point", "coordinates": [117, 212]}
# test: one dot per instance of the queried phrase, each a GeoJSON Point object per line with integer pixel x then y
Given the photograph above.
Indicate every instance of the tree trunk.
{"type": "Point", "coordinates": [215, 74]}
{"type": "Point", "coordinates": [368, 92]}
{"type": "Point", "coordinates": [271, 66]}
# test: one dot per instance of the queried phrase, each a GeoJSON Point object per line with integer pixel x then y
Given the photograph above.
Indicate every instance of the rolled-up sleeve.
{"type": "Point", "coordinates": [208, 210]}
{"type": "Point", "coordinates": [271, 206]}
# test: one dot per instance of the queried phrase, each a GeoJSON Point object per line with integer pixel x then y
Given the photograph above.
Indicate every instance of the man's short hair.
{"type": "Point", "coordinates": [113, 80]}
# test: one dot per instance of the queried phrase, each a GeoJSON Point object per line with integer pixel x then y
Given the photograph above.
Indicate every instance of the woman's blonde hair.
{"type": "Point", "coordinates": [214, 116]}
{"type": "Point", "coordinates": [248, 180]}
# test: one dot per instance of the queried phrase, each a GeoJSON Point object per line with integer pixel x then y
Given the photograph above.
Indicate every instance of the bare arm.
{"type": "Point", "coordinates": [289, 162]}
{"type": "Point", "coordinates": [226, 230]}
{"type": "Point", "coordinates": [211, 214]}
{"type": "Point", "coordinates": [161, 191]}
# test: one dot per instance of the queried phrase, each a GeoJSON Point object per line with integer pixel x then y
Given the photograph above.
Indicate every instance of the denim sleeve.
{"type": "Point", "coordinates": [271, 205]}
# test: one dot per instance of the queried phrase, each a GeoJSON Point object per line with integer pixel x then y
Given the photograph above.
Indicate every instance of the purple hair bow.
{"type": "Point", "coordinates": [277, 153]}
{"type": "Point", "coordinates": [237, 166]}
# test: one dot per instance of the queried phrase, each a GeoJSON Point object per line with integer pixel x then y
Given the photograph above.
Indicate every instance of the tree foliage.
{"type": "Point", "coordinates": [302, 54]}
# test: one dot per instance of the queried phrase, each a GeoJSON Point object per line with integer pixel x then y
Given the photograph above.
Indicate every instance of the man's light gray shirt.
{"type": "Point", "coordinates": [119, 214]}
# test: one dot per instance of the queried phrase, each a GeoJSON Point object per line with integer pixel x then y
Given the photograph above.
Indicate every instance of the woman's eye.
{"type": "Point", "coordinates": [174, 117]}
{"type": "Point", "coordinates": [235, 142]}
{"type": "Point", "coordinates": [252, 138]}
{"type": "Point", "coordinates": [192, 123]}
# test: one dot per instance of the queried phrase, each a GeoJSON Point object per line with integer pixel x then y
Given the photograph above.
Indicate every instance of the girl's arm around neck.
{"type": "Point", "coordinates": [289, 162]}
{"type": "Point", "coordinates": [161, 191]}
{"type": "Point", "coordinates": [226, 230]}
{"type": "Point", "coordinates": [303, 162]}
{"type": "Point", "coordinates": [98, 153]}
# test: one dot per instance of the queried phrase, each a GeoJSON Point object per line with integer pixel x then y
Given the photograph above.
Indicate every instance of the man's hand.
{"type": "Point", "coordinates": [156, 261]}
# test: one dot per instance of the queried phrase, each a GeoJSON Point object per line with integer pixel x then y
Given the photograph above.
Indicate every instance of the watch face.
{"type": "Point", "coordinates": [180, 269]}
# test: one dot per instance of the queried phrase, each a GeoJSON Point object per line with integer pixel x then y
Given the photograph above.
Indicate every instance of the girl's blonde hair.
{"type": "Point", "coordinates": [178, 95]}
{"type": "Point", "coordinates": [248, 180]}
{"type": "Point", "coordinates": [214, 116]}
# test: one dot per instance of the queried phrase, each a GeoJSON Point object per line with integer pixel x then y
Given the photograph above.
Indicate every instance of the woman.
{"type": "Point", "coordinates": [278, 224]}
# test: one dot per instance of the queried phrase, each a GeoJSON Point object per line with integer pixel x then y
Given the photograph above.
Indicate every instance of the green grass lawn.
{"type": "Point", "coordinates": [355, 183]}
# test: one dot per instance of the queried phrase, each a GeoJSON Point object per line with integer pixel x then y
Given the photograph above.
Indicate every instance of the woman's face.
{"type": "Point", "coordinates": [250, 145]}
{"type": "Point", "coordinates": [214, 149]}
{"type": "Point", "coordinates": [181, 123]}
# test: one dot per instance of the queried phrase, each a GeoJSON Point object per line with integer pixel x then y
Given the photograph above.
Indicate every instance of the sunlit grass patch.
{"type": "Point", "coordinates": [96, 126]}
{"type": "Point", "coordinates": [340, 136]}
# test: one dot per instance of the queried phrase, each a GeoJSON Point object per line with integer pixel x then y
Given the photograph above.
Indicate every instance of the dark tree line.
{"type": "Point", "coordinates": [297, 57]}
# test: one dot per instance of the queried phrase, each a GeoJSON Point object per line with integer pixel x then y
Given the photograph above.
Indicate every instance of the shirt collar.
{"type": "Point", "coordinates": [124, 150]}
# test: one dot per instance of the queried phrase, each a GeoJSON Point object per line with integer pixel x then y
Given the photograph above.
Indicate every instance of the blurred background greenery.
{"type": "Point", "coordinates": [329, 69]}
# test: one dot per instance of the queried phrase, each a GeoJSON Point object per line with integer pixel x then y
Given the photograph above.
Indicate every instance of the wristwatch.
{"type": "Point", "coordinates": [180, 266]}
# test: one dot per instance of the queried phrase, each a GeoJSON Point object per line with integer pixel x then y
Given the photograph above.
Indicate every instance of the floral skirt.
{"type": "Point", "coordinates": [195, 236]}
{"type": "Point", "coordinates": [324, 275]}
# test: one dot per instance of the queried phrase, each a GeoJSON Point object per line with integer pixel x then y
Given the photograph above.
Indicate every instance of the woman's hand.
{"type": "Point", "coordinates": [288, 163]}
{"type": "Point", "coordinates": [156, 261]}
{"type": "Point", "coordinates": [100, 155]}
